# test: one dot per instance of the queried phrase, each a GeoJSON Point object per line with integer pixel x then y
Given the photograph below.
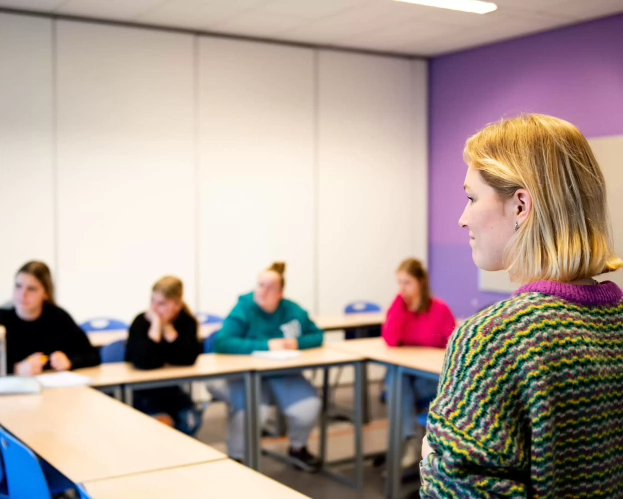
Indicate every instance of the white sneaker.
{"type": "Point", "coordinates": [410, 456]}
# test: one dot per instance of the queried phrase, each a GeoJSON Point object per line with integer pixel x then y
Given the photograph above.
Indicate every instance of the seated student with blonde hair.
{"type": "Point", "coordinates": [416, 318]}
{"type": "Point", "coordinates": [530, 399]}
{"type": "Point", "coordinates": [265, 320]}
{"type": "Point", "coordinates": [39, 334]}
{"type": "Point", "coordinates": [165, 334]}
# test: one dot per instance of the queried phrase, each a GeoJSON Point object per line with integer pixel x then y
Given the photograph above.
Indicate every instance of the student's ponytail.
{"type": "Point", "coordinates": [280, 269]}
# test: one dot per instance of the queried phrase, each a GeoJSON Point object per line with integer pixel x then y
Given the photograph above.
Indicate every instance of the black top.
{"type": "Point", "coordinates": [53, 331]}
{"type": "Point", "coordinates": [147, 354]}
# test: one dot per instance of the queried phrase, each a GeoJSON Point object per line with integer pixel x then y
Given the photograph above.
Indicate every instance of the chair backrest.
{"type": "Point", "coordinates": [100, 324]}
{"type": "Point", "coordinates": [83, 492]}
{"type": "Point", "coordinates": [115, 352]}
{"type": "Point", "coordinates": [209, 318]}
{"type": "Point", "coordinates": [24, 475]}
{"type": "Point", "coordinates": [362, 307]}
{"type": "Point", "coordinates": [209, 344]}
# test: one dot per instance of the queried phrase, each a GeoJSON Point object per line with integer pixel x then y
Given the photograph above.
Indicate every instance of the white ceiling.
{"type": "Point", "coordinates": [377, 25]}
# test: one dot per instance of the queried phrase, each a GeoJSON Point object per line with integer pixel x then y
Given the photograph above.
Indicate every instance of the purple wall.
{"type": "Point", "coordinates": [574, 73]}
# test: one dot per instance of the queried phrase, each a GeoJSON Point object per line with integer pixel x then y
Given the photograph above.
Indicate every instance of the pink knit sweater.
{"type": "Point", "coordinates": [429, 329]}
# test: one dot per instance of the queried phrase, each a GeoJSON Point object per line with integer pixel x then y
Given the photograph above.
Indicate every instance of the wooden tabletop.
{"type": "Point", "coordinates": [419, 358]}
{"type": "Point", "coordinates": [217, 480]}
{"type": "Point", "coordinates": [324, 322]}
{"type": "Point", "coordinates": [207, 364]}
{"type": "Point", "coordinates": [309, 358]}
{"type": "Point", "coordinates": [88, 436]}
{"type": "Point", "coordinates": [102, 338]}
{"type": "Point", "coordinates": [349, 321]}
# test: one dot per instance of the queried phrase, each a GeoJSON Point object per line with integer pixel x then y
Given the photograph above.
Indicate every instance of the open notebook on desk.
{"type": "Point", "coordinates": [277, 354]}
{"type": "Point", "coordinates": [18, 385]}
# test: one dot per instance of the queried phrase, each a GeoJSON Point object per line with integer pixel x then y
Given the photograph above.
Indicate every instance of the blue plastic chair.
{"type": "Point", "coordinates": [115, 352]}
{"type": "Point", "coordinates": [101, 324]}
{"type": "Point", "coordinates": [4, 493]}
{"type": "Point", "coordinates": [83, 492]}
{"type": "Point", "coordinates": [362, 307]}
{"type": "Point", "coordinates": [209, 318]}
{"type": "Point", "coordinates": [209, 344]}
{"type": "Point", "coordinates": [25, 474]}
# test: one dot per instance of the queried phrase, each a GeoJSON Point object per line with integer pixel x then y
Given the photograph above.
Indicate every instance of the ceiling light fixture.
{"type": "Point", "coordinates": [473, 6]}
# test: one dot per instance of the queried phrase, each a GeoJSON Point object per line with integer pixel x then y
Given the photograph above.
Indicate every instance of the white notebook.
{"type": "Point", "coordinates": [62, 380]}
{"type": "Point", "coordinates": [277, 354]}
{"type": "Point", "coordinates": [16, 385]}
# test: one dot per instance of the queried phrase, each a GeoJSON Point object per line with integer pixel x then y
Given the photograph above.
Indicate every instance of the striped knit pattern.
{"type": "Point", "coordinates": [530, 399]}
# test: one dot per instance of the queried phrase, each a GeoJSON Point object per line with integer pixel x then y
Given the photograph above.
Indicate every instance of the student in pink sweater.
{"type": "Point", "coordinates": [416, 319]}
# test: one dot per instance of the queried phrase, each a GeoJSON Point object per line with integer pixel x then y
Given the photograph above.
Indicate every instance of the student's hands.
{"type": "Point", "coordinates": [283, 344]}
{"type": "Point", "coordinates": [291, 344]}
{"type": "Point", "coordinates": [277, 344]}
{"type": "Point", "coordinates": [169, 333]}
{"type": "Point", "coordinates": [426, 449]}
{"type": "Point", "coordinates": [155, 330]}
{"type": "Point", "coordinates": [32, 365]}
{"type": "Point", "coordinates": [60, 362]}
{"type": "Point", "coordinates": [152, 317]}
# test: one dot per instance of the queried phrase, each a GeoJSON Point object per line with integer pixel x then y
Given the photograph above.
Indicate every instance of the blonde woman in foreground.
{"type": "Point", "coordinates": [530, 399]}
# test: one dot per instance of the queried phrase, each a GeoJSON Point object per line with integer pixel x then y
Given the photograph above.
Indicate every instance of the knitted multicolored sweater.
{"type": "Point", "coordinates": [530, 399]}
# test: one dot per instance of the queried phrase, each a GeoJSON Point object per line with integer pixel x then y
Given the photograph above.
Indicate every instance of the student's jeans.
{"type": "Point", "coordinates": [417, 393]}
{"type": "Point", "coordinates": [294, 396]}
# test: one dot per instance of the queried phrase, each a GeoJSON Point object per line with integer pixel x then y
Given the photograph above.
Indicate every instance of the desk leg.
{"type": "Point", "coordinates": [250, 424]}
{"type": "Point", "coordinates": [324, 417]}
{"type": "Point", "coordinates": [128, 395]}
{"type": "Point", "coordinates": [394, 457]}
{"type": "Point", "coordinates": [256, 430]}
{"type": "Point", "coordinates": [365, 394]}
{"type": "Point", "coordinates": [117, 393]}
{"type": "Point", "coordinates": [360, 388]}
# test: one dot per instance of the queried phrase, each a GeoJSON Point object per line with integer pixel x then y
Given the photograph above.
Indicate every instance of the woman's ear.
{"type": "Point", "coordinates": [521, 206]}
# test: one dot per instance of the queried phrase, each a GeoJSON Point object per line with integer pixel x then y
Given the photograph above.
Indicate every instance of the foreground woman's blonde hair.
{"type": "Point", "coordinates": [568, 236]}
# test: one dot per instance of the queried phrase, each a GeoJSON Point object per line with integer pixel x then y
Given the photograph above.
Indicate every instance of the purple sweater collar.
{"type": "Point", "coordinates": [606, 293]}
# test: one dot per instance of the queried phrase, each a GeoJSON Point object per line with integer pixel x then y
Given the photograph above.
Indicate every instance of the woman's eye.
{"type": "Point", "coordinates": [471, 200]}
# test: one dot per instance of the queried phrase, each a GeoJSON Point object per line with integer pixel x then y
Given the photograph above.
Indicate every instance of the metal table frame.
{"type": "Point", "coordinates": [124, 392]}
{"type": "Point", "coordinates": [255, 441]}
{"type": "Point", "coordinates": [395, 411]}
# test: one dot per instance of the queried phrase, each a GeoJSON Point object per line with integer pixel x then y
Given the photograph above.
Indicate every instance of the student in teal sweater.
{"type": "Point", "coordinates": [265, 320]}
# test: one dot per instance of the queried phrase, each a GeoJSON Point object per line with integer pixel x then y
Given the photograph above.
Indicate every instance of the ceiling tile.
{"type": "Point", "coordinates": [257, 23]}
{"type": "Point", "coordinates": [108, 9]}
{"type": "Point", "coordinates": [36, 5]}
{"type": "Point", "coordinates": [196, 14]}
{"type": "Point", "coordinates": [310, 10]}
{"type": "Point", "coordinates": [584, 9]}
{"type": "Point", "coordinates": [400, 35]}
{"type": "Point", "coordinates": [353, 22]}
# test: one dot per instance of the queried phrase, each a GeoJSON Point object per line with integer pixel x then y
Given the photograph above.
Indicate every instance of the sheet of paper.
{"type": "Point", "coordinates": [62, 380]}
{"type": "Point", "coordinates": [16, 385]}
{"type": "Point", "coordinates": [277, 354]}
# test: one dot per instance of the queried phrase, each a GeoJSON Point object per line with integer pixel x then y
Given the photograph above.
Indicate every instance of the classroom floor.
{"type": "Point", "coordinates": [340, 445]}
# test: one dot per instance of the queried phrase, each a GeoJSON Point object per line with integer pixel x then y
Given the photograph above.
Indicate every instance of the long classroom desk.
{"type": "Point", "coordinates": [418, 361]}
{"type": "Point", "coordinates": [223, 479]}
{"type": "Point", "coordinates": [89, 436]}
{"type": "Point", "coordinates": [122, 377]}
{"type": "Point", "coordinates": [324, 322]}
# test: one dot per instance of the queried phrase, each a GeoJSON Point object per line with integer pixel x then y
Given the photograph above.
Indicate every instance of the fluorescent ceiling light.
{"type": "Point", "coordinates": [474, 6]}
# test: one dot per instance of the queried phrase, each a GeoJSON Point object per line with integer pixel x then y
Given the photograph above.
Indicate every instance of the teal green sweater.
{"type": "Point", "coordinates": [248, 328]}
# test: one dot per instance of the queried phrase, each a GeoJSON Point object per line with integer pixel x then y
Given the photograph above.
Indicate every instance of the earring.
{"type": "Point", "coordinates": [516, 226]}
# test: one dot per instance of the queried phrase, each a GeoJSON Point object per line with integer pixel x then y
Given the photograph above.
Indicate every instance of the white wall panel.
{"type": "Point", "coordinates": [372, 191]}
{"type": "Point", "coordinates": [26, 145]}
{"type": "Point", "coordinates": [126, 166]}
{"type": "Point", "coordinates": [257, 168]}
